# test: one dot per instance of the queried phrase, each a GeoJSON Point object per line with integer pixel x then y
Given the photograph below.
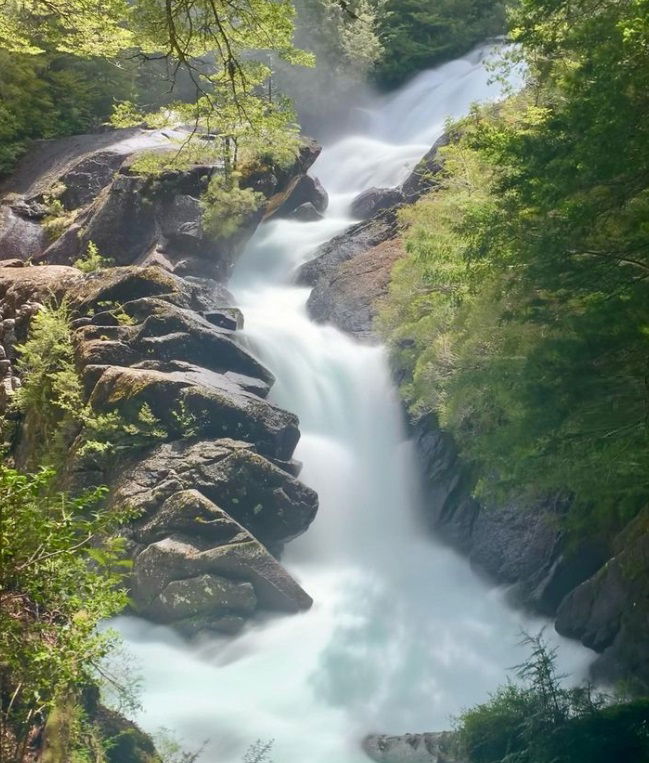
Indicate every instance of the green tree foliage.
{"type": "Point", "coordinates": [60, 573]}
{"type": "Point", "coordinates": [56, 415]}
{"type": "Point", "coordinates": [214, 54]}
{"type": "Point", "coordinates": [538, 720]}
{"type": "Point", "coordinates": [418, 34]}
{"type": "Point", "coordinates": [344, 36]}
{"type": "Point", "coordinates": [528, 332]}
{"type": "Point", "coordinates": [46, 96]}
{"type": "Point", "coordinates": [226, 207]}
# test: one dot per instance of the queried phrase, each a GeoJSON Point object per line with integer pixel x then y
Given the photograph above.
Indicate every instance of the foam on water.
{"type": "Point", "coordinates": [402, 634]}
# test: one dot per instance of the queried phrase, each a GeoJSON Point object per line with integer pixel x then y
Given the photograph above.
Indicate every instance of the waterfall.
{"type": "Point", "coordinates": [403, 634]}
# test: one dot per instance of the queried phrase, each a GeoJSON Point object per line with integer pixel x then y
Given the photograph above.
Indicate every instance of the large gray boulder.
{"type": "Point", "coordinates": [357, 239]}
{"type": "Point", "coordinates": [197, 568]}
{"type": "Point", "coordinates": [306, 213]}
{"type": "Point", "coordinates": [74, 169]}
{"type": "Point", "coordinates": [414, 748]}
{"type": "Point", "coordinates": [131, 217]}
{"type": "Point", "coordinates": [302, 190]}
{"type": "Point", "coordinates": [260, 495]}
{"type": "Point", "coordinates": [374, 200]}
{"type": "Point", "coordinates": [350, 297]}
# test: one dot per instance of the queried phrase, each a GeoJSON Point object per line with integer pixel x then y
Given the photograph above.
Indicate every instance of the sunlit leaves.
{"type": "Point", "coordinates": [529, 269]}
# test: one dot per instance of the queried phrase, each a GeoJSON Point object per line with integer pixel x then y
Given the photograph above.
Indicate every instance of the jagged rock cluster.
{"type": "Point", "coordinates": [218, 497]}
{"type": "Point", "coordinates": [350, 274]}
{"type": "Point", "coordinates": [135, 218]}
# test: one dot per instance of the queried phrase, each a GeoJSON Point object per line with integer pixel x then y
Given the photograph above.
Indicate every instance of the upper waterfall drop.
{"type": "Point", "coordinates": [402, 634]}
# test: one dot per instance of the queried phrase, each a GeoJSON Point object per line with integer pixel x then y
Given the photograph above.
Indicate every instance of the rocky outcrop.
{"type": "Point", "coordinates": [306, 213]}
{"type": "Point", "coordinates": [349, 297]}
{"type": "Point", "coordinates": [130, 217]}
{"type": "Point", "coordinates": [75, 170]}
{"type": "Point", "coordinates": [374, 200]}
{"type": "Point", "coordinates": [303, 190]}
{"type": "Point", "coordinates": [198, 568]}
{"type": "Point", "coordinates": [425, 176]}
{"type": "Point", "coordinates": [350, 274]}
{"type": "Point", "coordinates": [348, 245]}
{"type": "Point", "coordinates": [218, 498]}
{"type": "Point", "coordinates": [594, 589]}
{"type": "Point", "coordinates": [260, 495]}
{"type": "Point", "coordinates": [609, 611]}
{"type": "Point", "coordinates": [413, 748]}
{"type": "Point", "coordinates": [140, 219]}
{"type": "Point", "coordinates": [156, 331]}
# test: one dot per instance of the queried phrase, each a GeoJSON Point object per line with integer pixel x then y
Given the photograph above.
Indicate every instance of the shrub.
{"type": "Point", "coordinates": [53, 404]}
{"type": "Point", "coordinates": [58, 218]}
{"type": "Point", "coordinates": [92, 260]}
{"type": "Point", "coordinates": [226, 207]}
{"type": "Point", "coordinates": [542, 721]}
{"type": "Point", "coordinates": [60, 573]}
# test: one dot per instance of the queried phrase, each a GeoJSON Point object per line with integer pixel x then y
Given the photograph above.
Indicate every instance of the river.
{"type": "Point", "coordinates": [403, 634]}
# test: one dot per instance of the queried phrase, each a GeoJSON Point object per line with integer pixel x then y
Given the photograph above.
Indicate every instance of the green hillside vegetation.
{"type": "Point", "coordinates": [537, 719]}
{"type": "Point", "coordinates": [418, 34]}
{"type": "Point", "coordinates": [527, 335]}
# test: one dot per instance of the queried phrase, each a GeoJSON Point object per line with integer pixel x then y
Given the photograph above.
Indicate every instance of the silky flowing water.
{"type": "Point", "coordinates": [403, 634]}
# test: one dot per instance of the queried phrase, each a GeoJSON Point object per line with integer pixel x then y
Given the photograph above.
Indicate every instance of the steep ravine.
{"type": "Point", "coordinates": [401, 633]}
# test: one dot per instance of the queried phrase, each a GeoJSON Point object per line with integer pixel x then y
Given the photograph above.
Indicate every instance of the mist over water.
{"type": "Point", "coordinates": [403, 634]}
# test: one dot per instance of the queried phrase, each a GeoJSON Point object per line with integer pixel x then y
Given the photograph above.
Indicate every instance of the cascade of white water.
{"type": "Point", "coordinates": [402, 634]}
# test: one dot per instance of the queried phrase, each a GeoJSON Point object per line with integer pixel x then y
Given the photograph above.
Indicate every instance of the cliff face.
{"type": "Point", "coordinates": [218, 496]}
{"type": "Point", "coordinates": [595, 590]}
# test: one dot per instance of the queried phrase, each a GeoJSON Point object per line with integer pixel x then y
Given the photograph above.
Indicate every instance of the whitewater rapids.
{"type": "Point", "coordinates": [403, 635]}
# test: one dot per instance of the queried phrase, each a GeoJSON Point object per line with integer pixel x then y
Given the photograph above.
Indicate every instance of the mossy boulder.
{"type": "Point", "coordinates": [218, 407]}
{"type": "Point", "coordinates": [269, 502]}
{"type": "Point", "coordinates": [195, 565]}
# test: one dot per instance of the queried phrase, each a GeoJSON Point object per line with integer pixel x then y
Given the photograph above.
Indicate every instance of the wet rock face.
{"type": "Point", "coordinates": [349, 298]}
{"type": "Point", "coordinates": [374, 200]}
{"type": "Point", "coordinates": [306, 213]}
{"type": "Point", "coordinates": [517, 544]}
{"type": "Point", "coordinates": [302, 191]}
{"type": "Point", "coordinates": [610, 610]}
{"type": "Point", "coordinates": [413, 748]}
{"type": "Point", "coordinates": [21, 236]}
{"type": "Point", "coordinates": [595, 589]}
{"type": "Point", "coordinates": [358, 239]}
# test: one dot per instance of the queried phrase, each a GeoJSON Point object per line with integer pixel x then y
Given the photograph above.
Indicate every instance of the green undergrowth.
{"type": "Point", "coordinates": [55, 413]}
{"type": "Point", "coordinates": [538, 719]}
{"type": "Point", "coordinates": [61, 571]}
